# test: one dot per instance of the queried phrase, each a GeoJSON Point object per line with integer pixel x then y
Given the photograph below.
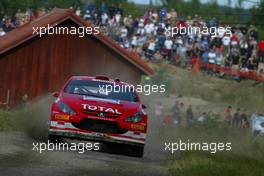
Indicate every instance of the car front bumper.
{"type": "Point", "coordinates": [67, 130]}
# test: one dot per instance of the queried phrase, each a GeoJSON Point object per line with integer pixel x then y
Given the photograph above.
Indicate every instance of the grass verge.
{"type": "Point", "coordinates": [7, 121]}
{"type": "Point", "coordinates": [224, 164]}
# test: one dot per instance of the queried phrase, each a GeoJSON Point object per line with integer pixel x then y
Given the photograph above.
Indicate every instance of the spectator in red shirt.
{"type": "Point", "coordinates": [261, 50]}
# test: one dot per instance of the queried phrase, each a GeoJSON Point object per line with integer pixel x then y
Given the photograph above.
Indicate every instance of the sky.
{"type": "Point", "coordinates": [247, 4]}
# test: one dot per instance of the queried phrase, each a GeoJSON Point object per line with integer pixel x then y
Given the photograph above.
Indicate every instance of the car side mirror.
{"type": "Point", "coordinates": [55, 94]}
{"type": "Point", "coordinates": [144, 106]}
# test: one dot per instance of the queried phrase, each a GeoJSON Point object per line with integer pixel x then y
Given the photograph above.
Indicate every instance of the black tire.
{"type": "Point", "coordinates": [137, 151]}
{"type": "Point", "coordinates": [54, 139]}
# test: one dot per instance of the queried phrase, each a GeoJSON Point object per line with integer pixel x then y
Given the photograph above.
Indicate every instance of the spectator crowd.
{"type": "Point", "coordinates": [184, 115]}
{"type": "Point", "coordinates": [146, 36]}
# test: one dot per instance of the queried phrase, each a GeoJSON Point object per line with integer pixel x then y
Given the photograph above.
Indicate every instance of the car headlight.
{"type": "Point", "coordinates": [135, 118]}
{"type": "Point", "coordinates": [66, 109]}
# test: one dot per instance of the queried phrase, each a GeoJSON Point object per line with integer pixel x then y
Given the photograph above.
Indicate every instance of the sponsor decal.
{"type": "Point", "coordinates": [100, 108]}
{"type": "Point", "coordinates": [101, 114]}
{"type": "Point", "coordinates": [62, 116]}
{"type": "Point", "coordinates": [138, 127]}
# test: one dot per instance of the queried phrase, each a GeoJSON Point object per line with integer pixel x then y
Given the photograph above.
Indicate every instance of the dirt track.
{"type": "Point", "coordinates": [17, 158]}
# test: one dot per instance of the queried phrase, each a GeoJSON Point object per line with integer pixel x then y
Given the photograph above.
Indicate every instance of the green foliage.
{"type": "Point", "coordinates": [258, 13]}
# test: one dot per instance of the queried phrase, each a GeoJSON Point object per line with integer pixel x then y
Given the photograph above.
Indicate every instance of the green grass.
{"type": "Point", "coordinates": [7, 121]}
{"type": "Point", "coordinates": [246, 94]}
{"type": "Point", "coordinates": [224, 164]}
{"type": "Point", "coordinates": [246, 157]}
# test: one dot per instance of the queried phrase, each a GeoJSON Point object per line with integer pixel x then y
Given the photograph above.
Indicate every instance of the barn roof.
{"type": "Point", "coordinates": [55, 17]}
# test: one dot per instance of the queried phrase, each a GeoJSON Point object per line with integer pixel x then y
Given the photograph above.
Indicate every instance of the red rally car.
{"type": "Point", "coordinates": [99, 109]}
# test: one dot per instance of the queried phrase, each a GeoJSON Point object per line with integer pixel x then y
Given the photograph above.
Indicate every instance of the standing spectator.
{"type": "Point", "coordinates": [78, 11]}
{"type": "Point", "coordinates": [176, 113]}
{"type": "Point", "coordinates": [261, 55]}
{"type": "Point", "coordinates": [226, 43]}
{"type": "Point", "coordinates": [151, 49]}
{"type": "Point", "coordinates": [228, 115]}
{"type": "Point", "coordinates": [252, 63]}
{"type": "Point", "coordinates": [117, 18]}
{"type": "Point", "coordinates": [253, 32]}
{"type": "Point", "coordinates": [149, 28]}
{"type": "Point", "coordinates": [189, 115]}
{"type": "Point", "coordinates": [112, 10]}
{"type": "Point", "coordinates": [212, 59]}
{"type": "Point", "coordinates": [124, 33]}
{"type": "Point", "coordinates": [24, 102]}
{"type": "Point", "coordinates": [88, 16]}
{"type": "Point", "coordinates": [134, 42]}
{"type": "Point", "coordinates": [2, 32]}
{"type": "Point", "coordinates": [182, 116]}
{"type": "Point", "coordinates": [168, 48]}
{"type": "Point", "coordinates": [244, 120]}
{"type": "Point", "coordinates": [236, 121]}
{"type": "Point", "coordinates": [29, 15]}
{"type": "Point", "coordinates": [160, 44]}
{"type": "Point", "coordinates": [103, 8]}
{"type": "Point", "coordinates": [235, 58]}
{"type": "Point", "coordinates": [205, 60]}
{"type": "Point", "coordinates": [8, 25]}
{"type": "Point", "coordinates": [173, 16]}
{"type": "Point", "coordinates": [158, 111]}
{"type": "Point", "coordinates": [163, 13]}
{"type": "Point", "coordinates": [234, 41]}
{"type": "Point", "coordinates": [243, 47]}
{"type": "Point", "coordinates": [104, 19]}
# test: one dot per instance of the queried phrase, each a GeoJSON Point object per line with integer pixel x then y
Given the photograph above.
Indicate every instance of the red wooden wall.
{"type": "Point", "coordinates": [42, 65]}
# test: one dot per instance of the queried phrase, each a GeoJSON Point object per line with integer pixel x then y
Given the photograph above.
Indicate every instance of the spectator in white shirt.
{"type": "Point", "coordinates": [226, 40]}
{"type": "Point", "coordinates": [104, 18]}
{"type": "Point", "coordinates": [212, 56]}
{"type": "Point", "coordinates": [124, 33]}
{"type": "Point", "coordinates": [118, 17]}
{"type": "Point", "coordinates": [168, 48]}
{"type": "Point", "coordinates": [149, 28]}
{"type": "Point", "coordinates": [151, 49]}
{"type": "Point", "coordinates": [2, 32]}
{"type": "Point", "coordinates": [134, 42]}
{"type": "Point", "coordinates": [78, 12]}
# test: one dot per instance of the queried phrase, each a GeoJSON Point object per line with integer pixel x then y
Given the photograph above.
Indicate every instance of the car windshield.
{"type": "Point", "coordinates": [101, 90]}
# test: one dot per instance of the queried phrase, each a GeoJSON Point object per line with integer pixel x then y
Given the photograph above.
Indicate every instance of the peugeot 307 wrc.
{"type": "Point", "coordinates": [86, 108]}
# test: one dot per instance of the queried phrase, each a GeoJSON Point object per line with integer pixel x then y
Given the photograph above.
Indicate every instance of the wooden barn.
{"type": "Point", "coordinates": [34, 65]}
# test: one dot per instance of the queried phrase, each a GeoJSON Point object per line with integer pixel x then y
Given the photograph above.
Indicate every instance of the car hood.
{"type": "Point", "coordinates": [82, 102]}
